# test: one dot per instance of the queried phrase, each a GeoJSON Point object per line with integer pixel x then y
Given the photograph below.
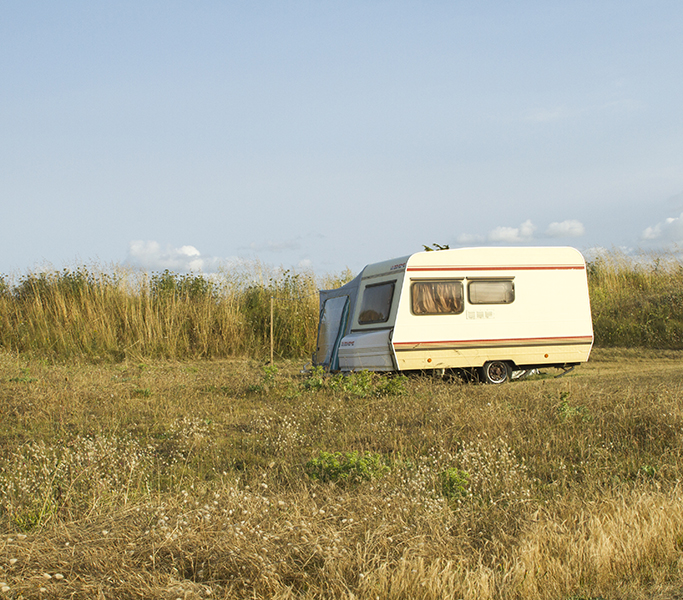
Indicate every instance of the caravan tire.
{"type": "Point", "coordinates": [496, 372]}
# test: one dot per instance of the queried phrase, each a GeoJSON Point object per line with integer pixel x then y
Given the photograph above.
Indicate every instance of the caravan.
{"type": "Point", "coordinates": [489, 311]}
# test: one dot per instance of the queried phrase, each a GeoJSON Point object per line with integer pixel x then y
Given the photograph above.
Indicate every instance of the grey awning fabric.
{"type": "Point", "coordinates": [336, 310]}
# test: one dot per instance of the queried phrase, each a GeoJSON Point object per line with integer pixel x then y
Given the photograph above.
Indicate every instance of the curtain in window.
{"type": "Point", "coordinates": [436, 298]}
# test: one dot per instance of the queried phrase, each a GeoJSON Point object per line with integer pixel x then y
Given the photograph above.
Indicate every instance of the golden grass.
{"type": "Point", "coordinates": [637, 300]}
{"type": "Point", "coordinates": [119, 315]}
{"type": "Point", "coordinates": [164, 479]}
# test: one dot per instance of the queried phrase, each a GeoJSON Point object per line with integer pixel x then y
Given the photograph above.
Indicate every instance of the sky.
{"type": "Point", "coordinates": [320, 135]}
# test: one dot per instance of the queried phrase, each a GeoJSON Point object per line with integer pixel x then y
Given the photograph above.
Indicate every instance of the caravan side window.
{"type": "Point", "coordinates": [436, 297]}
{"type": "Point", "coordinates": [376, 303]}
{"type": "Point", "coordinates": [494, 291]}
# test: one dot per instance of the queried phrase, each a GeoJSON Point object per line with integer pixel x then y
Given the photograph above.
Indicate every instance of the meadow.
{"type": "Point", "coordinates": [177, 467]}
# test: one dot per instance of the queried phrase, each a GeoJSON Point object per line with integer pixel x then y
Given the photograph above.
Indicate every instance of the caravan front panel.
{"type": "Point", "coordinates": [371, 351]}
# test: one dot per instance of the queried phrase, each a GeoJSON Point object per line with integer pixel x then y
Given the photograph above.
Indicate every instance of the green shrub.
{"type": "Point", "coordinates": [346, 467]}
{"type": "Point", "coordinates": [454, 483]}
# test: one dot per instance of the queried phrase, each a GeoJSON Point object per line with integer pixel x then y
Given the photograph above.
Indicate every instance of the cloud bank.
{"type": "Point", "coordinates": [513, 235]}
{"type": "Point", "coordinates": [571, 228]}
{"type": "Point", "coordinates": [151, 256]}
{"type": "Point", "coordinates": [525, 233]}
{"type": "Point", "coordinates": [667, 232]}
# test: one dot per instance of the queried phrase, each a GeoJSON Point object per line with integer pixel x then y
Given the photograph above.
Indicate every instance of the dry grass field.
{"type": "Point", "coordinates": [227, 479]}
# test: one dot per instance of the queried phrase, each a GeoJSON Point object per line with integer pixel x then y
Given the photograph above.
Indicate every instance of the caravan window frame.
{"type": "Point", "coordinates": [363, 308]}
{"type": "Point", "coordinates": [508, 297]}
{"type": "Point", "coordinates": [450, 280]}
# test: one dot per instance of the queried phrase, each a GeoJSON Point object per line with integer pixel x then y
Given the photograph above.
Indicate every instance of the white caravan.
{"type": "Point", "coordinates": [489, 311]}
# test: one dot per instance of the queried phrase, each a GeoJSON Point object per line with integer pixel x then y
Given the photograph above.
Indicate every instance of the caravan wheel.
{"type": "Point", "coordinates": [496, 371]}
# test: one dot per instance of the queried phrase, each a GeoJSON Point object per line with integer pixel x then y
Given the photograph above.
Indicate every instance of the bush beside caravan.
{"type": "Point", "coordinates": [493, 310]}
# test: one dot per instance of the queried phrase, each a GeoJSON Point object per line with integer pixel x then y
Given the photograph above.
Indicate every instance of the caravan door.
{"type": "Point", "coordinates": [333, 319]}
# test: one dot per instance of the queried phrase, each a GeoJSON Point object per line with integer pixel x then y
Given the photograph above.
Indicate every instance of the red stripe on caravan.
{"type": "Point", "coordinates": [525, 268]}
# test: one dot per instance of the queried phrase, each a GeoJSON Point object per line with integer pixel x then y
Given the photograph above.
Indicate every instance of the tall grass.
{"type": "Point", "coordinates": [637, 300]}
{"type": "Point", "coordinates": [121, 314]}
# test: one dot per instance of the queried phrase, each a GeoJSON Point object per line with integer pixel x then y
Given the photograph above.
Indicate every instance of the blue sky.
{"type": "Point", "coordinates": [326, 135]}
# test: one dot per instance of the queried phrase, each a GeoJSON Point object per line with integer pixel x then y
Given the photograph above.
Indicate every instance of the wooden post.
{"type": "Point", "coordinates": [271, 330]}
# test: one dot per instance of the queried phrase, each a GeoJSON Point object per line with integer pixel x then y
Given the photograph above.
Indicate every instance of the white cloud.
{"type": "Point", "coordinates": [150, 256]}
{"type": "Point", "coordinates": [569, 228]}
{"type": "Point", "coordinates": [523, 233]}
{"type": "Point", "coordinates": [652, 233]}
{"type": "Point", "coordinates": [669, 231]}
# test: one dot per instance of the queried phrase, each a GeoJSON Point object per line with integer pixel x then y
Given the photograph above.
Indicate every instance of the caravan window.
{"type": "Point", "coordinates": [436, 297]}
{"type": "Point", "coordinates": [496, 291]}
{"type": "Point", "coordinates": [376, 303]}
